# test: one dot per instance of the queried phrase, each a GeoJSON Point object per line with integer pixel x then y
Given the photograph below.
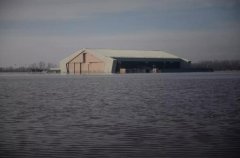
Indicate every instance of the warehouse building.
{"type": "Point", "coordinates": [87, 61]}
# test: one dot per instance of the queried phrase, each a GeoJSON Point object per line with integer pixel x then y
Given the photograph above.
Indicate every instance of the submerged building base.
{"type": "Point", "coordinates": [90, 61]}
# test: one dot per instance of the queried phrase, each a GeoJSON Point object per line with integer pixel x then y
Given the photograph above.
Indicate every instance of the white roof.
{"type": "Point", "coordinates": [133, 53]}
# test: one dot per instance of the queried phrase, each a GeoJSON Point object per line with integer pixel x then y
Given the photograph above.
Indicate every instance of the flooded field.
{"type": "Point", "coordinates": [132, 115]}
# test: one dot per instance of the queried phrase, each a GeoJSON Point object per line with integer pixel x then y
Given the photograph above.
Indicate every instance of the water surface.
{"type": "Point", "coordinates": [132, 115]}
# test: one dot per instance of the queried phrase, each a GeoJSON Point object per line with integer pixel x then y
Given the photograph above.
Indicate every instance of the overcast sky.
{"type": "Point", "coordinates": [49, 30]}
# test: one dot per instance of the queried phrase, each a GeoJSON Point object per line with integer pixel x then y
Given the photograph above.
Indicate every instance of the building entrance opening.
{"type": "Point", "coordinates": [146, 66]}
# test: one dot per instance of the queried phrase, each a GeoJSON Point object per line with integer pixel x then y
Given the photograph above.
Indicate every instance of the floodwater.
{"type": "Point", "coordinates": [132, 115]}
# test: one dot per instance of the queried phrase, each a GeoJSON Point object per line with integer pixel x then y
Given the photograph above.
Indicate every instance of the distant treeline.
{"type": "Point", "coordinates": [218, 65]}
{"type": "Point", "coordinates": [35, 67]}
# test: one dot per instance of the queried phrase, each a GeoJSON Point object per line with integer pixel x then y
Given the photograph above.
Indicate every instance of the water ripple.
{"type": "Point", "coordinates": [135, 115]}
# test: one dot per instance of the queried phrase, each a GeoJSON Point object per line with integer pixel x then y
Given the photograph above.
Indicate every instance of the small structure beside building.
{"type": "Point", "coordinates": [89, 61]}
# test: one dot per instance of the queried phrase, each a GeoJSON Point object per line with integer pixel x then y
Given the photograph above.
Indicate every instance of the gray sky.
{"type": "Point", "coordinates": [49, 30]}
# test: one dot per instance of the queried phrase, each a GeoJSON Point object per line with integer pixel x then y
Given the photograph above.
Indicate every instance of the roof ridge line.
{"type": "Point", "coordinates": [124, 49]}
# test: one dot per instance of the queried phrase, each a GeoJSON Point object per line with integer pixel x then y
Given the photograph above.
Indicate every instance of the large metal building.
{"type": "Point", "coordinates": [120, 61]}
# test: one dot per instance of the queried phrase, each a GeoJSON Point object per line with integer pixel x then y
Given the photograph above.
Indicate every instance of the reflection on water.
{"type": "Point", "coordinates": [132, 115]}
